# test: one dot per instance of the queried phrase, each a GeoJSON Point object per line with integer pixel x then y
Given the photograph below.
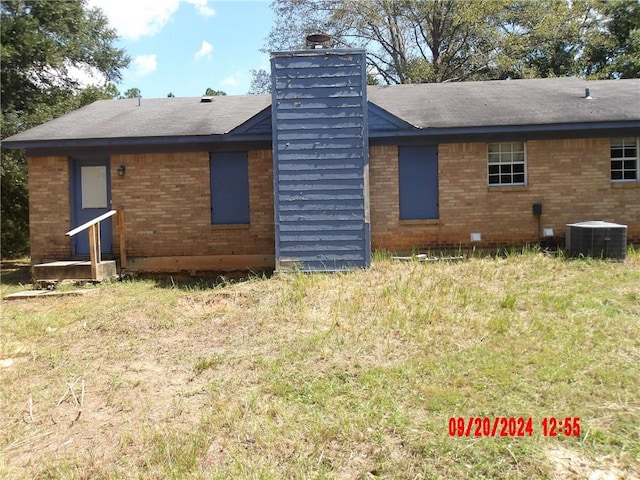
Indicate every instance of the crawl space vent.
{"type": "Point", "coordinates": [597, 239]}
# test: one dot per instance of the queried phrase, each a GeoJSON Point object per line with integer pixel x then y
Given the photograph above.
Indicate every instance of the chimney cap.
{"type": "Point", "coordinates": [318, 40]}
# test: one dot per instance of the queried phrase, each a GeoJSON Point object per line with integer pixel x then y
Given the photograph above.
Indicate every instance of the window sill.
{"type": "Point", "coordinates": [627, 184]}
{"type": "Point", "coordinates": [432, 221]}
{"type": "Point", "coordinates": [231, 226]}
{"type": "Point", "coordinates": [507, 188]}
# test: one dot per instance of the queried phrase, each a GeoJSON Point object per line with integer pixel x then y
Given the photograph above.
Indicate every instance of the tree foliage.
{"type": "Point", "coordinates": [132, 93]}
{"type": "Point", "coordinates": [415, 41]}
{"type": "Point", "coordinates": [615, 51]}
{"type": "Point", "coordinates": [210, 92]}
{"type": "Point", "coordinates": [43, 42]}
{"type": "Point", "coordinates": [260, 82]}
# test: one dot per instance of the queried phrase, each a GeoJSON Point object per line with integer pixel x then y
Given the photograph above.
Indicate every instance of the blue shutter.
{"type": "Point", "coordinates": [229, 188]}
{"type": "Point", "coordinates": [418, 180]}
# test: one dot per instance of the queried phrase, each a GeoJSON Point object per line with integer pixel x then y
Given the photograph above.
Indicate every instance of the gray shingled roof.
{"type": "Point", "coordinates": [154, 117]}
{"type": "Point", "coordinates": [441, 106]}
{"type": "Point", "coordinates": [510, 102]}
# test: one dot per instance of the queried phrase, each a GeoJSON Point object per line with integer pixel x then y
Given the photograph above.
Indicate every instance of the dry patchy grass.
{"type": "Point", "coordinates": [337, 376]}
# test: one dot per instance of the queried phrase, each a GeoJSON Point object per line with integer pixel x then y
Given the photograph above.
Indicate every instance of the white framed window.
{"type": "Point", "coordinates": [506, 164]}
{"type": "Point", "coordinates": [624, 159]}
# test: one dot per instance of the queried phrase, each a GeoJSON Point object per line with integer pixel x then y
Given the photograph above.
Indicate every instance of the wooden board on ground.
{"type": "Point", "coordinates": [45, 293]}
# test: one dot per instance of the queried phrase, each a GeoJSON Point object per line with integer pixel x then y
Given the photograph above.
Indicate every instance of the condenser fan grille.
{"type": "Point", "coordinates": [597, 239]}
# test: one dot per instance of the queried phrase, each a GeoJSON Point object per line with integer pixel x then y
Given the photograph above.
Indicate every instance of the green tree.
{"type": "Point", "coordinates": [452, 40]}
{"type": "Point", "coordinates": [210, 92]}
{"type": "Point", "coordinates": [546, 38]}
{"type": "Point", "coordinates": [132, 93]}
{"type": "Point", "coordinates": [412, 41]}
{"type": "Point", "coordinates": [614, 51]}
{"type": "Point", "coordinates": [406, 41]}
{"type": "Point", "coordinates": [42, 42]}
{"type": "Point", "coordinates": [260, 82]}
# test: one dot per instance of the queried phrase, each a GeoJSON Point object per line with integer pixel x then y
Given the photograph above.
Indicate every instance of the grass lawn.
{"type": "Point", "coordinates": [329, 376]}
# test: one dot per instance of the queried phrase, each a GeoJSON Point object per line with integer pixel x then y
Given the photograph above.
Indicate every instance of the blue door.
{"type": "Point", "coordinates": [91, 197]}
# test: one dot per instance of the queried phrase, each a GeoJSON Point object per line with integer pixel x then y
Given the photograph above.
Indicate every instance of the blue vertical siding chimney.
{"type": "Point", "coordinates": [321, 160]}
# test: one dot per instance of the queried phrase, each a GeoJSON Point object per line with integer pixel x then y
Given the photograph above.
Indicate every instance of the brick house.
{"type": "Point", "coordinates": [326, 169]}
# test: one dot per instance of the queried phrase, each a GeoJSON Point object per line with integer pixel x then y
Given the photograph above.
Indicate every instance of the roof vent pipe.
{"type": "Point", "coordinates": [587, 94]}
{"type": "Point", "coordinates": [318, 40]}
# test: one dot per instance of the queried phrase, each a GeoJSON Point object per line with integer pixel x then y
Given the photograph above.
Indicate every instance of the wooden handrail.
{"type": "Point", "coordinates": [90, 223]}
{"type": "Point", "coordinates": [95, 254]}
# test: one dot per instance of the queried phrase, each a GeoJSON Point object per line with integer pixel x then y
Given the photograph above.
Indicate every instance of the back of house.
{"type": "Point", "coordinates": [327, 169]}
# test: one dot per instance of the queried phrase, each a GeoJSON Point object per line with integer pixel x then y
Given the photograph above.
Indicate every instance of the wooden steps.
{"type": "Point", "coordinates": [73, 270]}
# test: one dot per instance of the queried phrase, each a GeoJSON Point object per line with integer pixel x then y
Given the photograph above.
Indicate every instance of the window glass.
{"type": "Point", "coordinates": [508, 167]}
{"type": "Point", "coordinates": [94, 186]}
{"type": "Point", "coordinates": [624, 159]}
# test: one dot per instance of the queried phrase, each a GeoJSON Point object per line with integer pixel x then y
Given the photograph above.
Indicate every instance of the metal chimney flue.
{"type": "Point", "coordinates": [318, 41]}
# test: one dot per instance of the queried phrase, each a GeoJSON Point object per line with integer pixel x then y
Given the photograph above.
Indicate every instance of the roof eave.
{"type": "Point", "coordinates": [438, 135]}
{"type": "Point", "coordinates": [479, 133]}
{"type": "Point", "coordinates": [132, 141]}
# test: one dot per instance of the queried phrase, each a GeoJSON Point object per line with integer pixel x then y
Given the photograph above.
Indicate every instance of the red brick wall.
{"type": "Point", "coordinates": [166, 198]}
{"type": "Point", "coordinates": [570, 178]}
{"type": "Point", "coordinates": [167, 204]}
{"type": "Point", "coordinates": [49, 210]}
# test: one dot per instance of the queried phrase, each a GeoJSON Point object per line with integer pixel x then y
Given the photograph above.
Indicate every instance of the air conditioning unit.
{"type": "Point", "coordinates": [597, 239]}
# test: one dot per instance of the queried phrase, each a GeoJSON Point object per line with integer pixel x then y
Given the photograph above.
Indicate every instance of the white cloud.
{"type": "Point", "coordinates": [86, 75]}
{"type": "Point", "coordinates": [205, 51]}
{"type": "Point", "coordinates": [231, 81]}
{"type": "Point", "coordinates": [136, 18]}
{"type": "Point", "coordinates": [202, 7]}
{"type": "Point", "coordinates": [144, 65]}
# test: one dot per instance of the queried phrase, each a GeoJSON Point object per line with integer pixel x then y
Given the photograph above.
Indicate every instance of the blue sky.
{"type": "Point", "coordinates": [186, 46]}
